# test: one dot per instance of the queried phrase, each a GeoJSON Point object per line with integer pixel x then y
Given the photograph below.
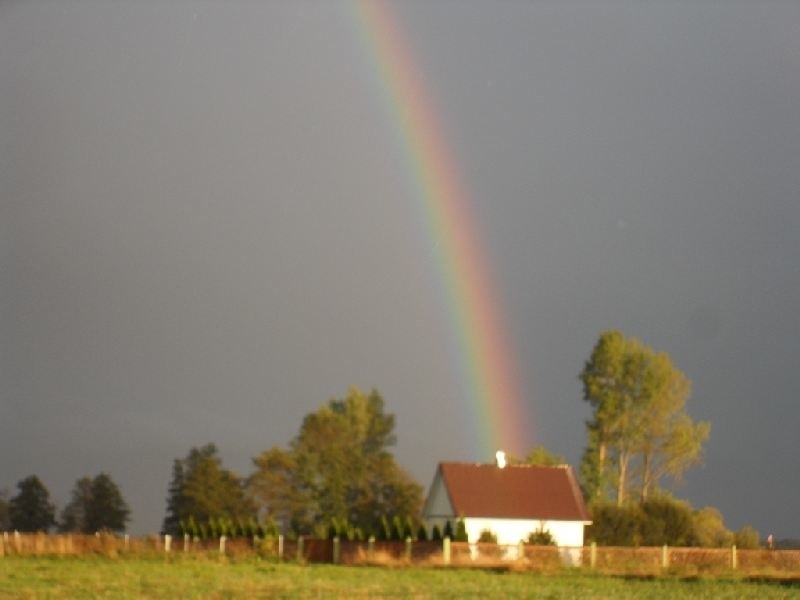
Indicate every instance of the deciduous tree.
{"type": "Point", "coordinates": [337, 467]}
{"type": "Point", "coordinates": [639, 432]}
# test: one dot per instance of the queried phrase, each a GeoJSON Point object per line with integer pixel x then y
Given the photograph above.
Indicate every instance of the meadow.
{"type": "Point", "coordinates": [221, 577]}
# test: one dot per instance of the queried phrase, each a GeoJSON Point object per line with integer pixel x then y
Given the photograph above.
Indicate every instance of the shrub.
{"type": "Point", "coordinates": [747, 538]}
{"type": "Point", "coordinates": [487, 536]}
{"type": "Point", "coordinates": [436, 533]}
{"type": "Point", "coordinates": [665, 521]}
{"type": "Point", "coordinates": [422, 533]}
{"type": "Point", "coordinates": [708, 529]}
{"type": "Point", "coordinates": [614, 525]}
{"type": "Point", "coordinates": [409, 529]}
{"type": "Point", "coordinates": [385, 530]}
{"type": "Point", "coordinates": [398, 529]}
{"type": "Point", "coordinates": [461, 532]}
{"type": "Point", "coordinates": [448, 529]}
{"type": "Point", "coordinates": [541, 537]}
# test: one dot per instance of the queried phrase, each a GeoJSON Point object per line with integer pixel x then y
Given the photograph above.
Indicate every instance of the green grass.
{"type": "Point", "coordinates": [199, 577]}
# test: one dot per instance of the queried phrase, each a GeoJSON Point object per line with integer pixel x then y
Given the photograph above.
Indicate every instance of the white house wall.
{"type": "Point", "coordinates": [511, 531]}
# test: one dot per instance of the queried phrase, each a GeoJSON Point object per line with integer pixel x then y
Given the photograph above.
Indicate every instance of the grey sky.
{"type": "Point", "coordinates": [206, 229]}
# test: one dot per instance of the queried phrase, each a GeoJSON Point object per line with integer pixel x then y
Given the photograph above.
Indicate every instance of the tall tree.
{"type": "Point", "coordinates": [31, 509]}
{"type": "Point", "coordinates": [175, 501]}
{"type": "Point", "coordinates": [639, 429]}
{"type": "Point", "coordinates": [338, 467]}
{"type": "Point", "coordinates": [96, 504]}
{"type": "Point", "coordinates": [273, 489]}
{"type": "Point", "coordinates": [202, 488]}
{"type": "Point", "coordinates": [73, 517]}
{"type": "Point", "coordinates": [107, 509]}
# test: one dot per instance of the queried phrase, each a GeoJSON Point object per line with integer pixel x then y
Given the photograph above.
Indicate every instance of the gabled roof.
{"type": "Point", "coordinates": [514, 492]}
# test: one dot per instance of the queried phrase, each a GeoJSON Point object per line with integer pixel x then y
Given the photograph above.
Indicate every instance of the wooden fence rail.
{"type": "Point", "coordinates": [604, 559]}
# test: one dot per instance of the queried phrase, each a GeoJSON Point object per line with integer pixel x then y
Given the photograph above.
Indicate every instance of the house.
{"type": "Point", "coordinates": [511, 501]}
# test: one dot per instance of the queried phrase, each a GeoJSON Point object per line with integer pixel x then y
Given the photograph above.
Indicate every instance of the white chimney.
{"type": "Point", "coordinates": [500, 456]}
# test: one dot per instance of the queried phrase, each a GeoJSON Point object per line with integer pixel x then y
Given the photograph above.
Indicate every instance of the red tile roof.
{"type": "Point", "coordinates": [514, 492]}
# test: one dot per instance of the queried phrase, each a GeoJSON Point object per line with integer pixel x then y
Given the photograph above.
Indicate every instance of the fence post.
{"type": "Point", "coordinates": [593, 555]}
{"type": "Point", "coordinates": [185, 542]}
{"type": "Point", "coordinates": [446, 550]}
{"type": "Point", "coordinates": [521, 550]}
{"type": "Point", "coordinates": [371, 548]}
{"type": "Point", "coordinates": [167, 543]}
{"type": "Point", "coordinates": [280, 546]}
{"type": "Point", "coordinates": [336, 550]}
{"type": "Point", "coordinates": [733, 557]}
{"type": "Point", "coordinates": [299, 548]}
{"type": "Point", "coordinates": [127, 545]}
{"type": "Point", "coordinates": [664, 556]}
{"type": "Point", "coordinates": [222, 540]}
{"type": "Point", "coordinates": [17, 542]}
{"type": "Point", "coordinates": [408, 548]}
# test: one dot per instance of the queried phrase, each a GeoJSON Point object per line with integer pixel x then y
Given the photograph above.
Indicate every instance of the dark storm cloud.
{"type": "Point", "coordinates": [206, 229]}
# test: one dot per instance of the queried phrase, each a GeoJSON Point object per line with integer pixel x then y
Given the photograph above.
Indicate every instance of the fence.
{"type": "Point", "coordinates": [602, 559]}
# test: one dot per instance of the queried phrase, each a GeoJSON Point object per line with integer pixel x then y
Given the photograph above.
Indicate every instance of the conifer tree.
{"type": "Point", "coordinates": [31, 509]}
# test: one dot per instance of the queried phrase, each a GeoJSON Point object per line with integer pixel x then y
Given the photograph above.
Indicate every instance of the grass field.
{"type": "Point", "coordinates": [214, 578]}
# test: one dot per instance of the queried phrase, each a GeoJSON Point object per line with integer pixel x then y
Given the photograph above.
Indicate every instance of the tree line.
{"type": "Point", "coordinates": [337, 469]}
{"type": "Point", "coordinates": [96, 505]}
{"type": "Point", "coordinates": [338, 475]}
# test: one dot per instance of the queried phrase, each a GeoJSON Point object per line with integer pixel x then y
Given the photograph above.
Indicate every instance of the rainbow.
{"type": "Point", "coordinates": [498, 413]}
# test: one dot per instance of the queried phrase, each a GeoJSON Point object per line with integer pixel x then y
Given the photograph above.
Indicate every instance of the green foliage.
{"type": "Point", "coordinates": [542, 457]}
{"type": "Point", "coordinates": [5, 516]}
{"type": "Point", "coordinates": [665, 521]}
{"type": "Point", "coordinates": [639, 432]}
{"type": "Point", "coordinates": [487, 536]}
{"type": "Point", "coordinates": [422, 533]}
{"type": "Point", "coordinates": [269, 527]}
{"type": "Point", "coordinates": [708, 529]}
{"type": "Point", "coordinates": [274, 490]}
{"type": "Point", "coordinates": [541, 537]}
{"type": "Point", "coordinates": [398, 529]}
{"type": "Point", "coordinates": [385, 529]}
{"type": "Point", "coordinates": [203, 489]}
{"type": "Point", "coordinates": [73, 517]}
{"type": "Point", "coordinates": [747, 538]}
{"type": "Point", "coordinates": [655, 522]}
{"type": "Point", "coordinates": [96, 504]}
{"type": "Point", "coordinates": [447, 532]}
{"type": "Point", "coordinates": [31, 509]}
{"type": "Point", "coordinates": [107, 509]}
{"type": "Point", "coordinates": [436, 533]}
{"type": "Point", "coordinates": [191, 527]}
{"type": "Point", "coordinates": [614, 525]}
{"type": "Point", "coordinates": [461, 531]}
{"type": "Point", "coordinates": [338, 465]}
